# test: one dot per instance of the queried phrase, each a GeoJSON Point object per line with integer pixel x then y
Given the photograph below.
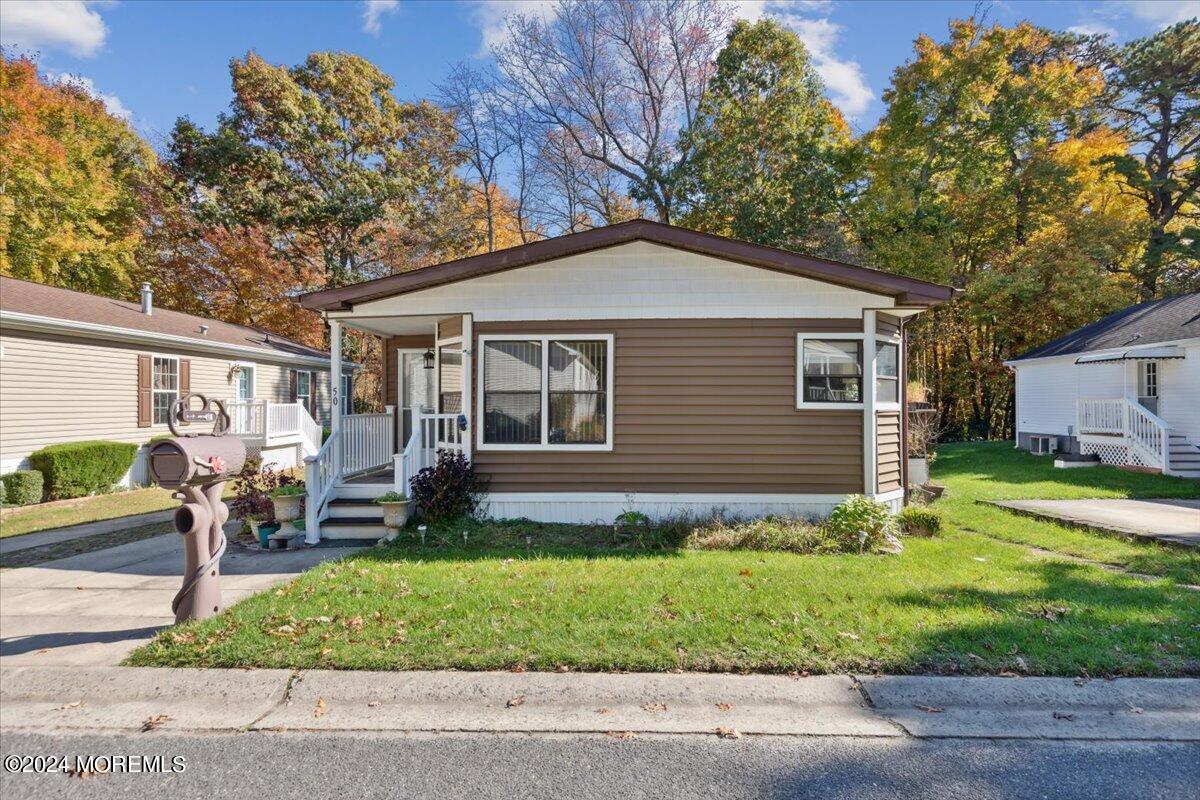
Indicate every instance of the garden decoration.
{"type": "Point", "coordinates": [197, 466]}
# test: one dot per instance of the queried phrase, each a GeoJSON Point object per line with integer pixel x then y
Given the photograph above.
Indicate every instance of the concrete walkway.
{"type": "Point", "coordinates": [1170, 521]}
{"type": "Point", "coordinates": [123, 699]}
{"type": "Point", "coordinates": [96, 607]}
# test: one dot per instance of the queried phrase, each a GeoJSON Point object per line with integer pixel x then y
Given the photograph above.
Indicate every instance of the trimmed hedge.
{"type": "Point", "coordinates": [77, 469]}
{"type": "Point", "coordinates": [23, 487]}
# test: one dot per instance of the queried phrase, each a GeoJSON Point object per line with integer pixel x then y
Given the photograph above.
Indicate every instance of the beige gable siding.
{"type": "Point", "coordinates": [57, 388]}
{"type": "Point", "coordinates": [700, 406]}
{"type": "Point", "coordinates": [887, 441]}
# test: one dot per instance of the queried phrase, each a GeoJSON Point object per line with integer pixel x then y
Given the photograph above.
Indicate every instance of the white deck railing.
{"type": "Point", "coordinates": [1140, 429]}
{"type": "Point", "coordinates": [260, 419]}
{"type": "Point", "coordinates": [366, 441]}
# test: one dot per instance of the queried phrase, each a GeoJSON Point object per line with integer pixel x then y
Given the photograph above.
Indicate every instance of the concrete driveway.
{"type": "Point", "coordinates": [94, 608]}
{"type": "Point", "coordinates": [1170, 521]}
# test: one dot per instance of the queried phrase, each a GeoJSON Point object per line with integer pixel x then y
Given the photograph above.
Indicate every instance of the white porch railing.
{"type": "Point", "coordinates": [430, 433]}
{"type": "Point", "coordinates": [274, 422]}
{"type": "Point", "coordinates": [320, 480]}
{"type": "Point", "coordinates": [366, 441]}
{"type": "Point", "coordinates": [1144, 435]}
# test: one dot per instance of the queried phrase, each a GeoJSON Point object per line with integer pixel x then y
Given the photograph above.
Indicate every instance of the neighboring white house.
{"type": "Point", "coordinates": [76, 366]}
{"type": "Point", "coordinates": [1125, 388]}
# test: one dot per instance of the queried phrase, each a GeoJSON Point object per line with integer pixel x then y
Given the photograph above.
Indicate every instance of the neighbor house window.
{"type": "Point", "coordinates": [347, 394]}
{"type": "Point", "coordinates": [245, 382]}
{"type": "Point", "coordinates": [304, 384]}
{"type": "Point", "coordinates": [165, 387]}
{"type": "Point", "coordinates": [831, 371]}
{"type": "Point", "coordinates": [546, 392]}
{"type": "Point", "coordinates": [887, 372]}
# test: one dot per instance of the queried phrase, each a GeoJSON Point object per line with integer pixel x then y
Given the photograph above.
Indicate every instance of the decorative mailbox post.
{"type": "Point", "coordinates": [197, 466]}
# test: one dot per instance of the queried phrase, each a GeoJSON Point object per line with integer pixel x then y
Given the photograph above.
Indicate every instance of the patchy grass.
{"type": "Point", "coordinates": [61, 513]}
{"type": "Point", "coordinates": [978, 472]}
{"type": "Point", "coordinates": [524, 595]}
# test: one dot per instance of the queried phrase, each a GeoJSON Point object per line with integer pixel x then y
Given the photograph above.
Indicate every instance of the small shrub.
{"type": "Point", "coordinates": [918, 521]}
{"type": "Point", "coordinates": [446, 490]}
{"type": "Point", "coordinates": [632, 518]}
{"type": "Point", "coordinates": [858, 513]}
{"type": "Point", "coordinates": [252, 490]}
{"type": "Point", "coordinates": [23, 487]}
{"type": "Point", "coordinates": [770, 533]}
{"type": "Point", "coordinates": [288, 490]}
{"type": "Point", "coordinates": [77, 469]}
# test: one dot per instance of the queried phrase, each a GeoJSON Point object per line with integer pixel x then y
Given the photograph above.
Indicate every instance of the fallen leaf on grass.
{"type": "Point", "coordinates": [653, 707]}
{"type": "Point", "coordinates": [516, 701]}
{"type": "Point", "coordinates": [929, 709]}
{"type": "Point", "coordinates": [624, 735]}
{"type": "Point", "coordinates": [728, 733]}
{"type": "Point", "coordinates": [848, 635]}
{"type": "Point", "coordinates": [1064, 715]}
{"type": "Point", "coordinates": [724, 707]}
{"type": "Point", "coordinates": [319, 711]}
{"type": "Point", "coordinates": [155, 721]}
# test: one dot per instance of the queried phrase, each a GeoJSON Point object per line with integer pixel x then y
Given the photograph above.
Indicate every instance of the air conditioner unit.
{"type": "Point", "coordinates": [1043, 445]}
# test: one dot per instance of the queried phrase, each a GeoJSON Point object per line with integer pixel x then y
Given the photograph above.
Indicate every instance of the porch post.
{"type": "Point", "coordinates": [468, 404]}
{"type": "Point", "coordinates": [870, 486]}
{"type": "Point", "coordinates": [335, 391]}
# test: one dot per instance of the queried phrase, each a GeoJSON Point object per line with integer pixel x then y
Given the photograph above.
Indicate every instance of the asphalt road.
{"type": "Point", "coordinates": [314, 766]}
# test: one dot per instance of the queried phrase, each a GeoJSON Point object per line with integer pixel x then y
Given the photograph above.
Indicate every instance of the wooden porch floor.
{"type": "Point", "coordinates": [379, 477]}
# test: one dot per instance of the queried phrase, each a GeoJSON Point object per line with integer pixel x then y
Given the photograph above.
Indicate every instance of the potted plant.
{"type": "Point", "coordinates": [395, 512]}
{"type": "Point", "coordinates": [286, 500]}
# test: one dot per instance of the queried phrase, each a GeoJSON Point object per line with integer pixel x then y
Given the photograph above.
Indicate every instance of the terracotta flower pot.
{"type": "Point", "coordinates": [287, 511]}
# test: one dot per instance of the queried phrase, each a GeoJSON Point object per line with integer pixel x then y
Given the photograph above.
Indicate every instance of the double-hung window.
{"type": "Point", "coordinates": [304, 384]}
{"type": "Point", "coordinates": [165, 387]}
{"type": "Point", "coordinates": [545, 392]}
{"type": "Point", "coordinates": [887, 372]}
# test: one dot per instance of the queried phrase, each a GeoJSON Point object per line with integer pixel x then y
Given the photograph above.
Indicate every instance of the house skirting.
{"type": "Point", "coordinates": [604, 507]}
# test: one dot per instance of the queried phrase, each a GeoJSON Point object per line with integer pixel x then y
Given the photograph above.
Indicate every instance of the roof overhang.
{"type": "Point", "coordinates": [905, 291]}
{"type": "Point", "coordinates": [1136, 354]}
{"type": "Point", "coordinates": [35, 322]}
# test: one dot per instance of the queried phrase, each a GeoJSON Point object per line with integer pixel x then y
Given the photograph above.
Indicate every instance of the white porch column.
{"type": "Point", "coordinates": [335, 391]}
{"type": "Point", "coordinates": [870, 483]}
{"type": "Point", "coordinates": [468, 404]}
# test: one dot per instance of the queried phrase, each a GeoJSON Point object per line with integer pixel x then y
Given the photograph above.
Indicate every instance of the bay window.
{"type": "Point", "coordinates": [545, 392]}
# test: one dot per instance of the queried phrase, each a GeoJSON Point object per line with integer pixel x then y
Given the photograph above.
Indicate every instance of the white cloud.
{"type": "Point", "coordinates": [844, 78]}
{"type": "Point", "coordinates": [1162, 12]}
{"type": "Point", "coordinates": [489, 16]}
{"type": "Point", "coordinates": [111, 102]}
{"type": "Point", "coordinates": [1094, 29]}
{"type": "Point", "coordinates": [65, 24]}
{"type": "Point", "coordinates": [373, 13]}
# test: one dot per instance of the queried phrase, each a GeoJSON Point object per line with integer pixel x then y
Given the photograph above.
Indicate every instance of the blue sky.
{"type": "Point", "coordinates": [155, 61]}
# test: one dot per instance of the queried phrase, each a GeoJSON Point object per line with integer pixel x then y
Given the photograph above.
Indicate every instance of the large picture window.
{"type": "Point", "coordinates": [831, 371]}
{"type": "Point", "coordinates": [165, 387]}
{"type": "Point", "coordinates": [546, 392]}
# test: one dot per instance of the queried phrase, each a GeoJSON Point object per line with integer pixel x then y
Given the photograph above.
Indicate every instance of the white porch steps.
{"type": "Point", "coordinates": [1183, 457]}
{"type": "Point", "coordinates": [353, 514]}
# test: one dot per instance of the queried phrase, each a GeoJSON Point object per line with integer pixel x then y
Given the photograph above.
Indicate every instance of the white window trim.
{"type": "Point", "coordinates": [890, 406]}
{"type": "Point", "coordinates": [312, 383]}
{"type": "Point", "coordinates": [153, 391]}
{"type": "Point", "coordinates": [237, 381]}
{"type": "Point", "coordinates": [803, 404]}
{"type": "Point", "coordinates": [545, 339]}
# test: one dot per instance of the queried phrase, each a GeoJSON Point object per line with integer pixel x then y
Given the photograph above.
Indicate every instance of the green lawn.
{"type": "Point", "coordinates": [31, 519]}
{"type": "Point", "coordinates": [995, 471]}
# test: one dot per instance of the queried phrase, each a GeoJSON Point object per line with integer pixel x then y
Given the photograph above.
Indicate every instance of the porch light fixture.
{"type": "Point", "coordinates": [429, 358]}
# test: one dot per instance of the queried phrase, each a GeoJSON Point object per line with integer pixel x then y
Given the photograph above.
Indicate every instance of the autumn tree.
{"type": "Point", "coordinates": [70, 177]}
{"type": "Point", "coordinates": [1154, 93]}
{"type": "Point", "coordinates": [622, 80]}
{"type": "Point", "coordinates": [983, 173]}
{"type": "Point", "coordinates": [324, 158]}
{"type": "Point", "coordinates": [770, 155]}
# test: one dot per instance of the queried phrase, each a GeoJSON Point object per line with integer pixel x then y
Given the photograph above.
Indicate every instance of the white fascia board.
{"type": "Point", "coordinates": [35, 322]}
{"type": "Point", "coordinates": [1193, 341]}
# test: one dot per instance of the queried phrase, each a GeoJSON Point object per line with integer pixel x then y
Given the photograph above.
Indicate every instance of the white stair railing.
{"type": "Point", "coordinates": [366, 441]}
{"type": "Point", "coordinates": [1102, 416]}
{"type": "Point", "coordinates": [1147, 433]}
{"type": "Point", "coordinates": [310, 432]}
{"type": "Point", "coordinates": [321, 474]}
{"type": "Point", "coordinates": [430, 433]}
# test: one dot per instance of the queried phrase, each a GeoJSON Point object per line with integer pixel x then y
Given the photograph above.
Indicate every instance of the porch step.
{"type": "Point", "coordinates": [351, 507]}
{"type": "Point", "coordinates": [353, 528]}
{"type": "Point", "coordinates": [361, 491]}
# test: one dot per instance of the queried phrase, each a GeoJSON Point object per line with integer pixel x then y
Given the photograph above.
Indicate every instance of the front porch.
{"type": "Point", "coordinates": [370, 454]}
{"type": "Point", "coordinates": [1123, 432]}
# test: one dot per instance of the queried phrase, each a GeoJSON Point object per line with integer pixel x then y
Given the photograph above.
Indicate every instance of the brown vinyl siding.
{"type": "Point", "coordinates": [887, 325]}
{"type": "Point", "coordinates": [449, 327]}
{"type": "Point", "coordinates": [700, 405]}
{"type": "Point", "coordinates": [887, 448]}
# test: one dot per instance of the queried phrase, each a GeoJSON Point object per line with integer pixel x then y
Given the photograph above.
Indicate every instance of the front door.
{"type": "Point", "coordinates": [1148, 385]}
{"type": "Point", "coordinates": [415, 389]}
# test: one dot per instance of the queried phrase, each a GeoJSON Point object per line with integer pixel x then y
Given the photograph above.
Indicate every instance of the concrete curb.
{"type": "Point", "coordinates": [126, 698]}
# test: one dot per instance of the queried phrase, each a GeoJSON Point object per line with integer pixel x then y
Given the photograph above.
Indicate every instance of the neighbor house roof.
{"type": "Point", "coordinates": [1168, 320]}
{"type": "Point", "coordinates": [28, 304]}
{"type": "Point", "coordinates": [906, 291]}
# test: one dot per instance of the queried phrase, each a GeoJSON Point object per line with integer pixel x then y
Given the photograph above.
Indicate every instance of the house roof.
{"type": "Point", "coordinates": [906, 291]}
{"type": "Point", "coordinates": [1167, 320]}
{"type": "Point", "coordinates": [54, 304]}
